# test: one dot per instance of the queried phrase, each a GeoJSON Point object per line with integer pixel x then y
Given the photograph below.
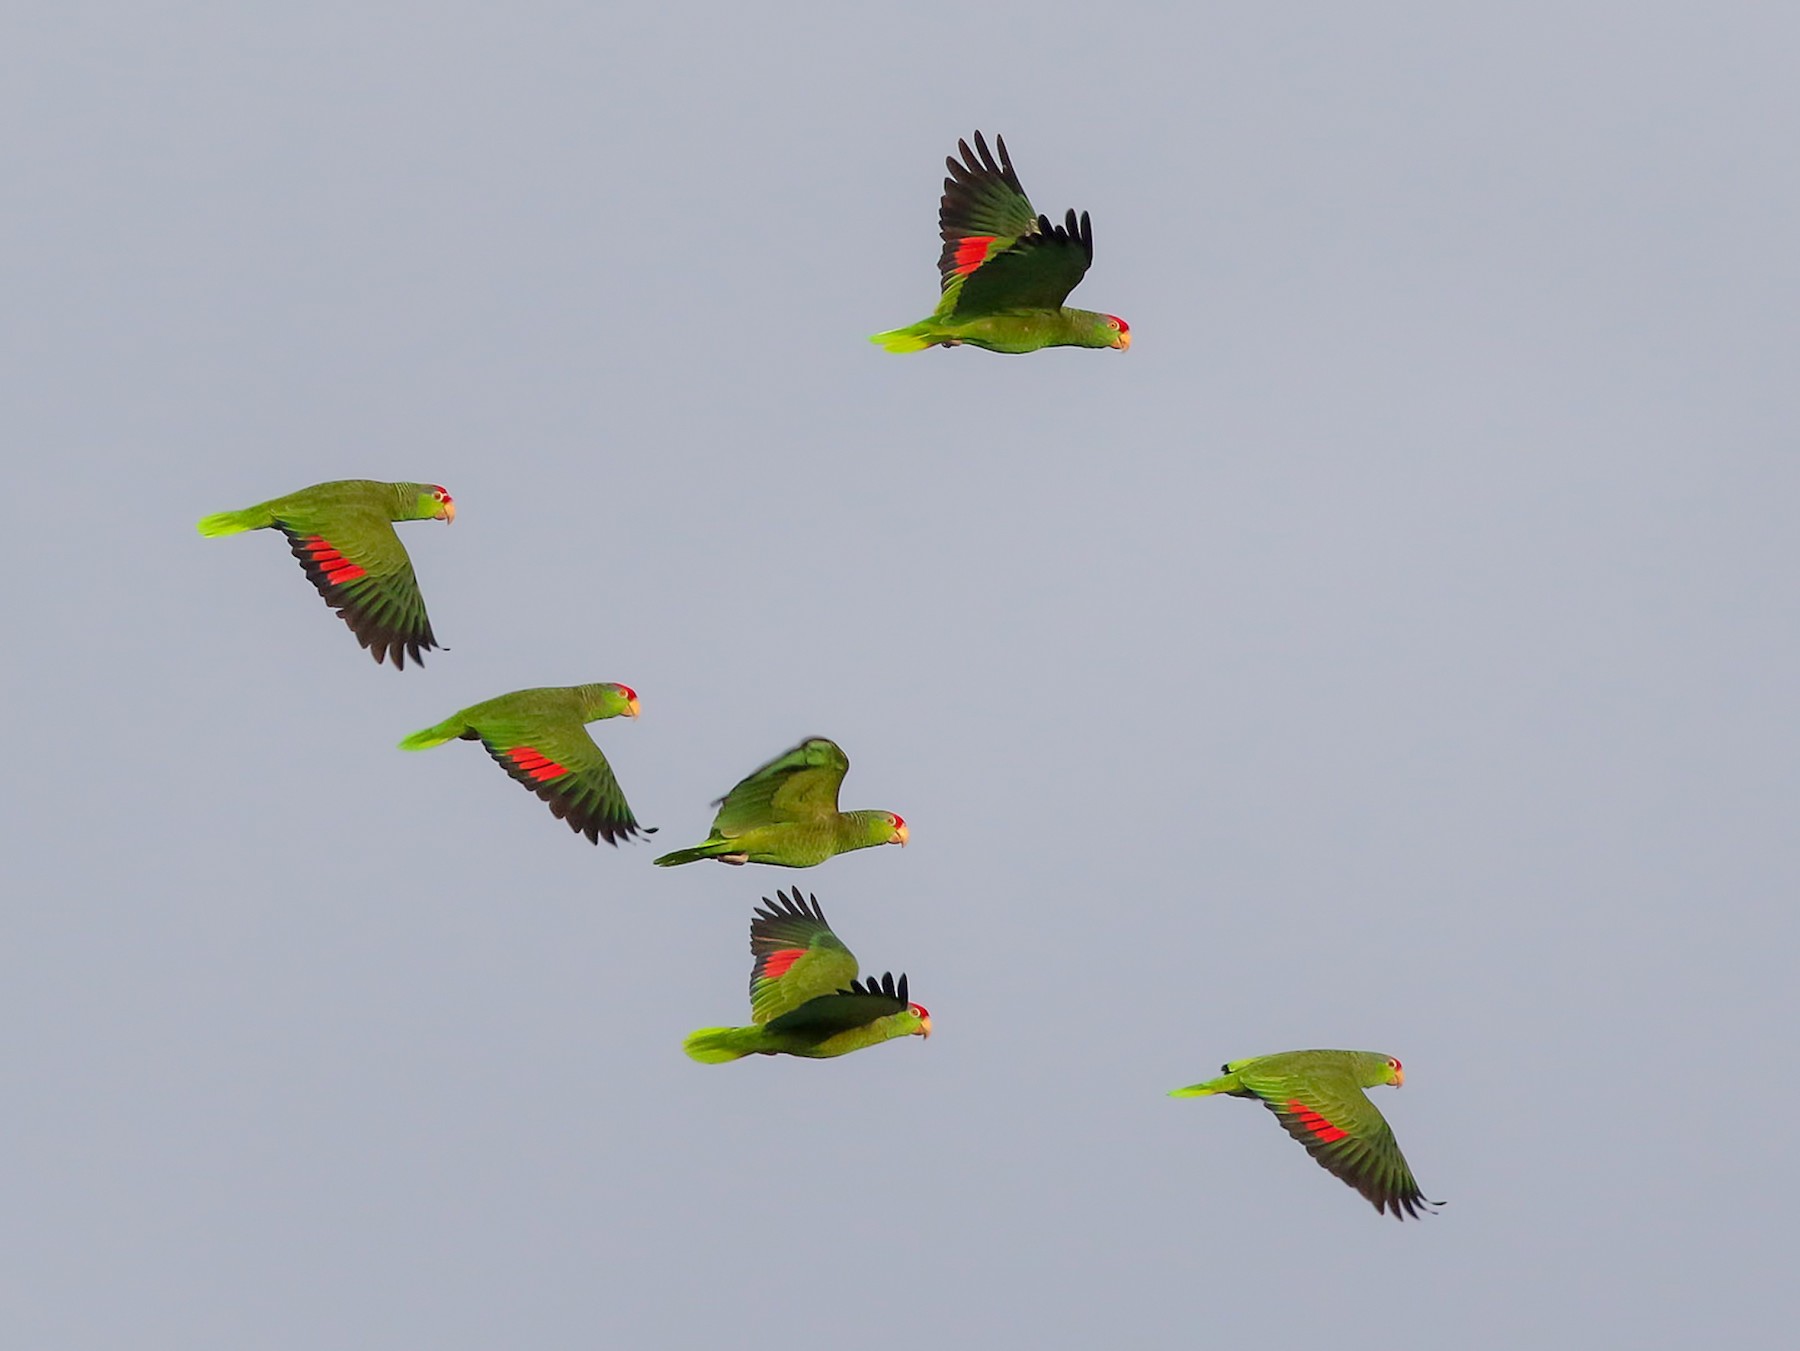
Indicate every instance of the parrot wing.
{"type": "Point", "coordinates": [858, 1005]}
{"type": "Point", "coordinates": [982, 211]}
{"type": "Point", "coordinates": [1345, 1133]}
{"type": "Point", "coordinates": [362, 570]}
{"type": "Point", "coordinates": [797, 785]}
{"type": "Point", "coordinates": [796, 957]}
{"type": "Point", "coordinates": [1035, 272]}
{"type": "Point", "coordinates": [999, 254]}
{"type": "Point", "coordinates": [561, 764]}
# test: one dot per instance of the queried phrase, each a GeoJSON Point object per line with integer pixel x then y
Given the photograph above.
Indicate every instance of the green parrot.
{"type": "Point", "coordinates": [786, 813]}
{"type": "Point", "coordinates": [343, 535]}
{"type": "Point", "coordinates": [1318, 1097]}
{"type": "Point", "coordinates": [805, 998]}
{"type": "Point", "coordinates": [1005, 270]}
{"type": "Point", "coordinates": [539, 737]}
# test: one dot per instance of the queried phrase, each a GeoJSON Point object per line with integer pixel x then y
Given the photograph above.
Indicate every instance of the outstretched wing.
{"type": "Point", "coordinates": [559, 761]}
{"type": "Point", "coordinates": [362, 570]}
{"type": "Point", "coordinates": [795, 956]}
{"type": "Point", "coordinates": [797, 785]}
{"type": "Point", "coordinates": [983, 209]}
{"type": "Point", "coordinates": [1345, 1133]}
{"type": "Point", "coordinates": [999, 254]}
{"type": "Point", "coordinates": [856, 1006]}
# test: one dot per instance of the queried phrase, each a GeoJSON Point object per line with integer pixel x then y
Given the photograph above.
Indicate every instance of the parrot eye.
{"type": "Point", "coordinates": [1393, 1064]}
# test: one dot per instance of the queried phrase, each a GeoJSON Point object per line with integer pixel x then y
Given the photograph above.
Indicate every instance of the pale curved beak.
{"type": "Point", "coordinates": [901, 835]}
{"type": "Point", "coordinates": [925, 1027]}
{"type": "Point", "coordinates": [448, 514]}
{"type": "Point", "coordinates": [1399, 1078]}
{"type": "Point", "coordinates": [1123, 343]}
{"type": "Point", "coordinates": [631, 708]}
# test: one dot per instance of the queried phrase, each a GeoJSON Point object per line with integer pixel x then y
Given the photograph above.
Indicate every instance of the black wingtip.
{"type": "Point", "coordinates": [1415, 1207]}
{"type": "Point", "coordinates": [979, 162]}
{"type": "Point", "coordinates": [790, 905]}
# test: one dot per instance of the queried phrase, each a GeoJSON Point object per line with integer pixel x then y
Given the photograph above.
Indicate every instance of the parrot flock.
{"type": "Point", "coordinates": [1004, 272]}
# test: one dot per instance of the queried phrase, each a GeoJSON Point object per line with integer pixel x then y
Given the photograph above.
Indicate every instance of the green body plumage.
{"type": "Point", "coordinates": [1004, 269]}
{"type": "Point", "coordinates": [716, 1045]}
{"type": "Point", "coordinates": [539, 737]}
{"type": "Point", "coordinates": [805, 998]}
{"type": "Point", "coordinates": [1318, 1098]}
{"type": "Point", "coordinates": [792, 844]}
{"type": "Point", "coordinates": [342, 533]}
{"type": "Point", "coordinates": [785, 813]}
{"type": "Point", "coordinates": [1013, 332]}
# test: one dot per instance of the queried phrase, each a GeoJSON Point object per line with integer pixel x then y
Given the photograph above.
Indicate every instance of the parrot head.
{"type": "Point", "coordinates": [435, 504]}
{"type": "Point", "coordinates": [921, 1017]}
{"type": "Point", "coordinates": [1121, 332]}
{"type": "Point", "coordinates": [1378, 1069]}
{"type": "Point", "coordinates": [897, 833]}
{"type": "Point", "coordinates": [607, 701]}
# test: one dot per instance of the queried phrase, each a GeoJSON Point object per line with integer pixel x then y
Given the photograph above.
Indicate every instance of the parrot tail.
{"type": "Point", "coordinates": [716, 1045]}
{"type": "Point", "coordinates": [1225, 1085]}
{"type": "Point", "coordinates": [913, 338]}
{"type": "Point", "coordinates": [232, 522]}
{"type": "Point", "coordinates": [711, 849]}
{"type": "Point", "coordinates": [447, 730]}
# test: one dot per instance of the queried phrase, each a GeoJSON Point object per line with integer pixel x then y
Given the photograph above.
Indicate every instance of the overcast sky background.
{"type": "Point", "coordinates": [1396, 649]}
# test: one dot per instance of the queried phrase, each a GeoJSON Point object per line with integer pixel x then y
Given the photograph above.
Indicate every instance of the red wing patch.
{"type": "Point", "coordinates": [336, 568]}
{"type": "Point", "coordinates": [776, 964]}
{"type": "Point", "coordinates": [1315, 1123]}
{"type": "Point", "coordinates": [530, 760]}
{"type": "Point", "coordinates": [971, 253]}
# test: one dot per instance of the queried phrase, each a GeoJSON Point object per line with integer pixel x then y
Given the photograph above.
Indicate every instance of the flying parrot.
{"type": "Point", "coordinates": [539, 737]}
{"type": "Point", "coordinates": [786, 813]}
{"type": "Point", "coordinates": [1005, 270]}
{"type": "Point", "coordinates": [1318, 1097]}
{"type": "Point", "coordinates": [343, 535]}
{"type": "Point", "coordinates": [805, 998]}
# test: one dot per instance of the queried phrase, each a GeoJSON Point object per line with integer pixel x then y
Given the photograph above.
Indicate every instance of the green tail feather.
{"type": "Point", "coordinates": [716, 1045]}
{"type": "Point", "coordinates": [711, 849]}
{"type": "Point", "coordinates": [234, 522]}
{"type": "Point", "coordinates": [913, 338]}
{"type": "Point", "coordinates": [1211, 1086]}
{"type": "Point", "coordinates": [447, 730]}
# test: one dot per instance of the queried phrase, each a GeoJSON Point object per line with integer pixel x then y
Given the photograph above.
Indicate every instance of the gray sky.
{"type": "Point", "coordinates": [1395, 649]}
